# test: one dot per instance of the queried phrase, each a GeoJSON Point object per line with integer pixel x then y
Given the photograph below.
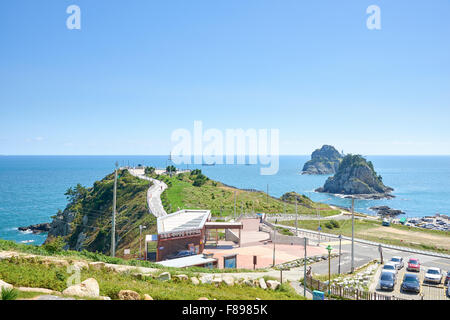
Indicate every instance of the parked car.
{"type": "Point", "coordinates": [387, 281]}
{"type": "Point", "coordinates": [181, 254]}
{"type": "Point", "coordinates": [411, 283]}
{"type": "Point", "coordinates": [447, 278]}
{"type": "Point", "coordinates": [413, 265]}
{"type": "Point", "coordinates": [386, 223]}
{"type": "Point", "coordinates": [448, 291]}
{"type": "Point", "coordinates": [390, 267]}
{"type": "Point", "coordinates": [398, 261]}
{"type": "Point", "coordinates": [433, 275]}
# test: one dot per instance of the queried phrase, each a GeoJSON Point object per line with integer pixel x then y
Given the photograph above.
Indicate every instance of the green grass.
{"type": "Point", "coordinates": [218, 198]}
{"type": "Point", "coordinates": [20, 272]}
{"type": "Point", "coordinates": [361, 226]}
{"type": "Point", "coordinates": [9, 294]}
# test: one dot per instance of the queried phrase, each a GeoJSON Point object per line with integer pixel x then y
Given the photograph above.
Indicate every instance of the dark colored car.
{"type": "Point", "coordinates": [181, 254]}
{"type": "Point", "coordinates": [447, 278]}
{"type": "Point", "coordinates": [387, 281]}
{"type": "Point", "coordinates": [413, 265]}
{"type": "Point", "coordinates": [411, 282]}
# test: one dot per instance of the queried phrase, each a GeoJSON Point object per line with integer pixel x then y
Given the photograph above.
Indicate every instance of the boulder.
{"type": "Point", "coordinates": [128, 295]}
{"type": "Point", "coordinates": [182, 277]}
{"type": "Point", "coordinates": [216, 281]}
{"type": "Point", "coordinates": [5, 285]}
{"type": "Point", "coordinates": [229, 280]}
{"type": "Point", "coordinates": [203, 298]}
{"type": "Point", "coordinates": [87, 288]}
{"type": "Point", "coordinates": [104, 298]}
{"type": "Point", "coordinates": [195, 281]}
{"type": "Point", "coordinates": [96, 265]}
{"type": "Point", "coordinates": [80, 265]}
{"type": "Point", "coordinates": [165, 276]}
{"type": "Point", "coordinates": [206, 278]}
{"type": "Point", "coordinates": [262, 284]}
{"type": "Point", "coordinates": [147, 297]}
{"type": "Point", "coordinates": [273, 284]}
{"type": "Point", "coordinates": [249, 283]}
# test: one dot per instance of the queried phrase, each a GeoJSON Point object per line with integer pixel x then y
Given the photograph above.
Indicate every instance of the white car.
{"type": "Point", "coordinates": [390, 267]}
{"type": "Point", "coordinates": [398, 261]}
{"type": "Point", "coordinates": [433, 275]}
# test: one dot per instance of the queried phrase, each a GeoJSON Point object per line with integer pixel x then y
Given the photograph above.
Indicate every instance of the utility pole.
{"type": "Point", "coordinates": [235, 205]}
{"type": "Point", "coordinates": [353, 235]}
{"type": "Point", "coordinates": [140, 239]}
{"type": "Point", "coordinates": [340, 241]}
{"type": "Point", "coordinates": [296, 219]}
{"type": "Point", "coordinates": [274, 230]}
{"type": "Point", "coordinates": [318, 216]}
{"type": "Point", "coordinates": [304, 275]}
{"type": "Point", "coordinates": [113, 231]}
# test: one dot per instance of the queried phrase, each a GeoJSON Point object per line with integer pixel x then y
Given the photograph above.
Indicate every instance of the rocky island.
{"type": "Point", "coordinates": [325, 160]}
{"type": "Point", "coordinates": [356, 177]}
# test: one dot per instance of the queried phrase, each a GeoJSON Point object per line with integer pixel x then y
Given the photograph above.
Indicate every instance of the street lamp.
{"type": "Point", "coordinates": [329, 248]}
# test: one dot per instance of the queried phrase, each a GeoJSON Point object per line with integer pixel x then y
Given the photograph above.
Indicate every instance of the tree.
{"type": "Point", "coordinates": [76, 193]}
{"type": "Point", "coordinates": [149, 170]}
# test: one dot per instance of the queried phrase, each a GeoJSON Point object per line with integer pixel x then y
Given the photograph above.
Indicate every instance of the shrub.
{"type": "Point", "coordinates": [9, 294]}
{"type": "Point", "coordinates": [55, 245]}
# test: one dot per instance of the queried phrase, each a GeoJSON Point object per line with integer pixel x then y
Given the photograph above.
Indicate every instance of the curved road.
{"type": "Point", "coordinates": [153, 194]}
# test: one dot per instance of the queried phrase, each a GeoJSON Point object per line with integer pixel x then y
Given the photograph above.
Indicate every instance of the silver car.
{"type": "Point", "coordinates": [433, 275]}
{"type": "Point", "coordinates": [398, 261]}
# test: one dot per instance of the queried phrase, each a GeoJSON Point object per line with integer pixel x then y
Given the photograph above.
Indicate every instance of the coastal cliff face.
{"type": "Point", "coordinates": [325, 160]}
{"type": "Point", "coordinates": [356, 176]}
{"type": "Point", "coordinates": [85, 223]}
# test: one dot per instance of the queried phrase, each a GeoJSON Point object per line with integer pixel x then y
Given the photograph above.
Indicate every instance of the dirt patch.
{"type": "Point", "coordinates": [410, 236]}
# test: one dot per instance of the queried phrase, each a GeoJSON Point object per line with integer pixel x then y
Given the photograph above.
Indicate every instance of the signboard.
{"type": "Point", "coordinates": [180, 234]}
{"type": "Point", "coordinates": [318, 295]}
{"type": "Point", "coordinates": [126, 251]}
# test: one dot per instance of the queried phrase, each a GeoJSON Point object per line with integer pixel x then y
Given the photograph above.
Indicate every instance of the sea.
{"type": "Point", "coordinates": [32, 187]}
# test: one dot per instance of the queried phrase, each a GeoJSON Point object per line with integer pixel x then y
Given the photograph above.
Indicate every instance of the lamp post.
{"type": "Point", "coordinates": [318, 216]}
{"type": "Point", "coordinates": [329, 248]}
{"type": "Point", "coordinates": [304, 275]}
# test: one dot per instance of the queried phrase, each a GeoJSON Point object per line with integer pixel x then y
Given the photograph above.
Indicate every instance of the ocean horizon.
{"type": "Point", "coordinates": [33, 187]}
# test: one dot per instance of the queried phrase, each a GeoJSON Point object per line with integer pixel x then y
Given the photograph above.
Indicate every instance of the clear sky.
{"type": "Point", "coordinates": [137, 70]}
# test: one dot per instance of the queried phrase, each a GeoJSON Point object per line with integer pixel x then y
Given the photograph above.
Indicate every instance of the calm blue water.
{"type": "Point", "coordinates": [32, 187]}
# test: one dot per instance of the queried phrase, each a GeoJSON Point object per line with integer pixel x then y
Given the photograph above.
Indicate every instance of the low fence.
{"type": "Point", "coordinates": [346, 292]}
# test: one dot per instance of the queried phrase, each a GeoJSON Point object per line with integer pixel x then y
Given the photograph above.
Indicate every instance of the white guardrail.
{"type": "Point", "coordinates": [371, 243]}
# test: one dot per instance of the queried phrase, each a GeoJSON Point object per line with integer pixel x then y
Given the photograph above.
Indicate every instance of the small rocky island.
{"type": "Point", "coordinates": [325, 160]}
{"type": "Point", "coordinates": [386, 211]}
{"type": "Point", "coordinates": [36, 228]}
{"type": "Point", "coordinates": [356, 177]}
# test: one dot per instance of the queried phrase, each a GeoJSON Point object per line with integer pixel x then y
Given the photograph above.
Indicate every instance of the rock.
{"type": "Point", "coordinates": [80, 265]}
{"type": "Point", "coordinates": [104, 298]}
{"type": "Point", "coordinates": [128, 295]}
{"type": "Point", "coordinates": [40, 290]}
{"type": "Point", "coordinates": [229, 280]}
{"type": "Point", "coordinates": [5, 285]}
{"type": "Point", "coordinates": [147, 297]}
{"type": "Point", "coordinates": [36, 228]}
{"type": "Point", "coordinates": [216, 281]}
{"type": "Point", "coordinates": [195, 281]}
{"type": "Point", "coordinates": [356, 177]}
{"type": "Point", "coordinates": [262, 284]}
{"type": "Point", "coordinates": [249, 283]}
{"type": "Point", "coordinates": [96, 265]}
{"type": "Point", "coordinates": [206, 278]}
{"type": "Point", "coordinates": [165, 276]}
{"type": "Point", "coordinates": [87, 288]}
{"type": "Point", "coordinates": [272, 284]}
{"type": "Point", "coordinates": [325, 160]}
{"type": "Point", "coordinates": [182, 277]}
{"type": "Point", "coordinates": [203, 298]}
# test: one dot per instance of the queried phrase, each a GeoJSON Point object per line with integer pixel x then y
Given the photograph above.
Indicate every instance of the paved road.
{"type": "Point", "coordinates": [153, 194]}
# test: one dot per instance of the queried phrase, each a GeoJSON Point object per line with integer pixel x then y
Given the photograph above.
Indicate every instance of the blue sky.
{"type": "Point", "coordinates": [137, 70]}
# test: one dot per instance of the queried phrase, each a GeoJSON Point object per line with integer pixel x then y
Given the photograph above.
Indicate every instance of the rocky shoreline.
{"type": "Point", "coordinates": [386, 211]}
{"type": "Point", "coordinates": [36, 228]}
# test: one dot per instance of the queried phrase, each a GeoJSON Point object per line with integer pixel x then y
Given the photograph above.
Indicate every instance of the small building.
{"type": "Point", "coordinates": [182, 230]}
{"type": "Point", "coordinates": [186, 230]}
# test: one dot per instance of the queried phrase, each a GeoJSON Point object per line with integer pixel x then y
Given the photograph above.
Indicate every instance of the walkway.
{"type": "Point", "coordinates": [155, 206]}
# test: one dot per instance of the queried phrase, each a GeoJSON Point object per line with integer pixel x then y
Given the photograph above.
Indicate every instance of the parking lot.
{"type": "Point", "coordinates": [428, 291]}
